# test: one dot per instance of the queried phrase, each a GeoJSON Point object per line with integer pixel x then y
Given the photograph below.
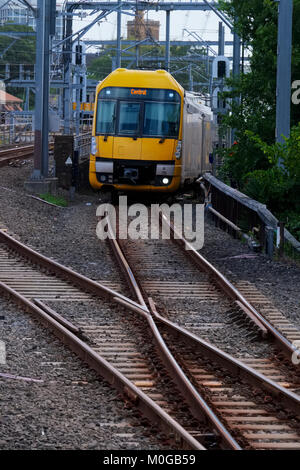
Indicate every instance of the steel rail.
{"type": "Point", "coordinates": [8, 151]}
{"type": "Point", "coordinates": [126, 269]}
{"type": "Point", "coordinates": [147, 406]}
{"type": "Point", "coordinates": [232, 292]}
{"type": "Point", "coordinates": [199, 408]}
{"type": "Point", "coordinates": [9, 155]}
{"type": "Point", "coordinates": [233, 365]}
{"type": "Point", "coordinates": [95, 288]}
{"type": "Point", "coordinates": [68, 274]}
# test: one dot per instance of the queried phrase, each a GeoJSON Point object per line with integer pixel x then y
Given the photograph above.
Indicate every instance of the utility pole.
{"type": "Point", "coordinates": [284, 57]}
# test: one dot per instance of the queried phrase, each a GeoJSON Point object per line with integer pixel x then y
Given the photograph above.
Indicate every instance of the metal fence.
{"type": "Point", "coordinates": [82, 144]}
{"type": "Point", "coordinates": [16, 128]}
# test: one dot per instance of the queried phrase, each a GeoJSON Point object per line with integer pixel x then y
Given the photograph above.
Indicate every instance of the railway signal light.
{"type": "Point", "coordinates": [221, 69]}
{"type": "Point", "coordinates": [78, 57]}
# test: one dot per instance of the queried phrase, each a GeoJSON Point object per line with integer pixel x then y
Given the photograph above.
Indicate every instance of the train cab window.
{"type": "Point", "coordinates": [129, 118]}
{"type": "Point", "coordinates": [161, 119]}
{"type": "Point", "coordinates": [106, 117]}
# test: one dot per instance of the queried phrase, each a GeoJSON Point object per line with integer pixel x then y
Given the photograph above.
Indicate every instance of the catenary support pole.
{"type": "Point", "coordinates": [236, 71]}
{"type": "Point", "coordinates": [41, 146]}
{"type": "Point", "coordinates": [191, 82]}
{"type": "Point", "coordinates": [27, 93]}
{"type": "Point", "coordinates": [236, 54]}
{"type": "Point", "coordinates": [221, 47]}
{"type": "Point", "coordinates": [284, 55]}
{"type": "Point", "coordinates": [67, 57]}
{"type": "Point", "coordinates": [137, 56]}
{"type": "Point", "coordinates": [168, 40]}
{"type": "Point", "coordinates": [119, 25]}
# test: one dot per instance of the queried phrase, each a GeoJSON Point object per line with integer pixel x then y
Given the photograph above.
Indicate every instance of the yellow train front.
{"type": "Point", "coordinates": [137, 132]}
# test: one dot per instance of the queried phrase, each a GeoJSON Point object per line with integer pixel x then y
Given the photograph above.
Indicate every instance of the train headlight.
{"type": "Point", "coordinates": [166, 181]}
{"type": "Point", "coordinates": [94, 146]}
{"type": "Point", "coordinates": [178, 150]}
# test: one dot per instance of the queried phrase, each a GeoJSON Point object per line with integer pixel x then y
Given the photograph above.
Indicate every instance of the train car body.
{"type": "Point", "coordinates": [148, 135]}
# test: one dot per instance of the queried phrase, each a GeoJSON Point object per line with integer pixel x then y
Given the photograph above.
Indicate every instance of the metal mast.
{"type": "Point", "coordinates": [284, 56]}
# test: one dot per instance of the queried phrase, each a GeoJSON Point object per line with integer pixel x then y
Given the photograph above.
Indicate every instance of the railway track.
{"type": "Point", "coordinates": [260, 419]}
{"type": "Point", "coordinates": [104, 341]}
{"type": "Point", "coordinates": [215, 411]}
{"type": "Point", "coordinates": [16, 153]}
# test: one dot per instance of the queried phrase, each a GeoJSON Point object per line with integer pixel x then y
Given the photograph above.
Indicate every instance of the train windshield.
{"type": "Point", "coordinates": [161, 119]}
{"type": "Point", "coordinates": [138, 112]}
{"type": "Point", "coordinates": [129, 118]}
{"type": "Point", "coordinates": [106, 117]}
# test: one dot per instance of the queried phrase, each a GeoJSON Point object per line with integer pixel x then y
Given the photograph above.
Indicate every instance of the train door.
{"type": "Point", "coordinates": [127, 142]}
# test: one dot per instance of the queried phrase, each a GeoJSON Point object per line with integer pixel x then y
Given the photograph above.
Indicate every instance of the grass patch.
{"type": "Point", "coordinates": [58, 201]}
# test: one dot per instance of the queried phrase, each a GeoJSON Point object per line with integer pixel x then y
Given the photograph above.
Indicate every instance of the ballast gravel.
{"type": "Point", "coordinates": [55, 401]}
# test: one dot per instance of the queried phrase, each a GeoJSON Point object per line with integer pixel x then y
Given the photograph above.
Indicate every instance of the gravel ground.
{"type": "Point", "coordinates": [72, 408]}
{"type": "Point", "coordinates": [278, 280]}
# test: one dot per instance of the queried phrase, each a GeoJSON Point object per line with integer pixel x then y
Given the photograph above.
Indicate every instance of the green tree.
{"type": "Point", "coordinates": [22, 51]}
{"type": "Point", "coordinates": [252, 163]}
{"type": "Point", "coordinates": [14, 53]}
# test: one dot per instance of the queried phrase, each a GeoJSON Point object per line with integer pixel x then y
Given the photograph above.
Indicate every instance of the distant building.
{"type": "Point", "coordinates": [9, 102]}
{"type": "Point", "coordinates": [141, 28]}
{"type": "Point", "coordinates": [15, 12]}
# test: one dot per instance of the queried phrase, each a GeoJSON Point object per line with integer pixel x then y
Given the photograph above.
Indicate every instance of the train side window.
{"type": "Point", "coordinates": [106, 117]}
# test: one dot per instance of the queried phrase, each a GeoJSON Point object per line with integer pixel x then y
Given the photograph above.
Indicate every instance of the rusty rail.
{"type": "Point", "coordinates": [233, 365]}
{"type": "Point", "coordinates": [8, 155]}
{"type": "Point", "coordinates": [198, 406]}
{"type": "Point", "coordinates": [83, 282]}
{"type": "Point", "coordinates": [147, 406]}
{"type": "Point", "coordinates": [232, 292]}
{"type": "Point", "coordinates": [62, 324]}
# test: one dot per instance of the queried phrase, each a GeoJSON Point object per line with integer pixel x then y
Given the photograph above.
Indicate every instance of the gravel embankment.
{"type": "Point", "coordinates": [278, 280]}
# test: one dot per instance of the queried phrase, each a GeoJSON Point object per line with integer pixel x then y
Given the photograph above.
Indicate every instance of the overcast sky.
{"type": "Point", "coordinates": [205, 23]}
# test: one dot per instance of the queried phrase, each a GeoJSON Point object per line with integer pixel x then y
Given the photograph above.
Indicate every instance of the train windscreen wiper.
{"type": "Point", "coordinates": [110, 128]}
